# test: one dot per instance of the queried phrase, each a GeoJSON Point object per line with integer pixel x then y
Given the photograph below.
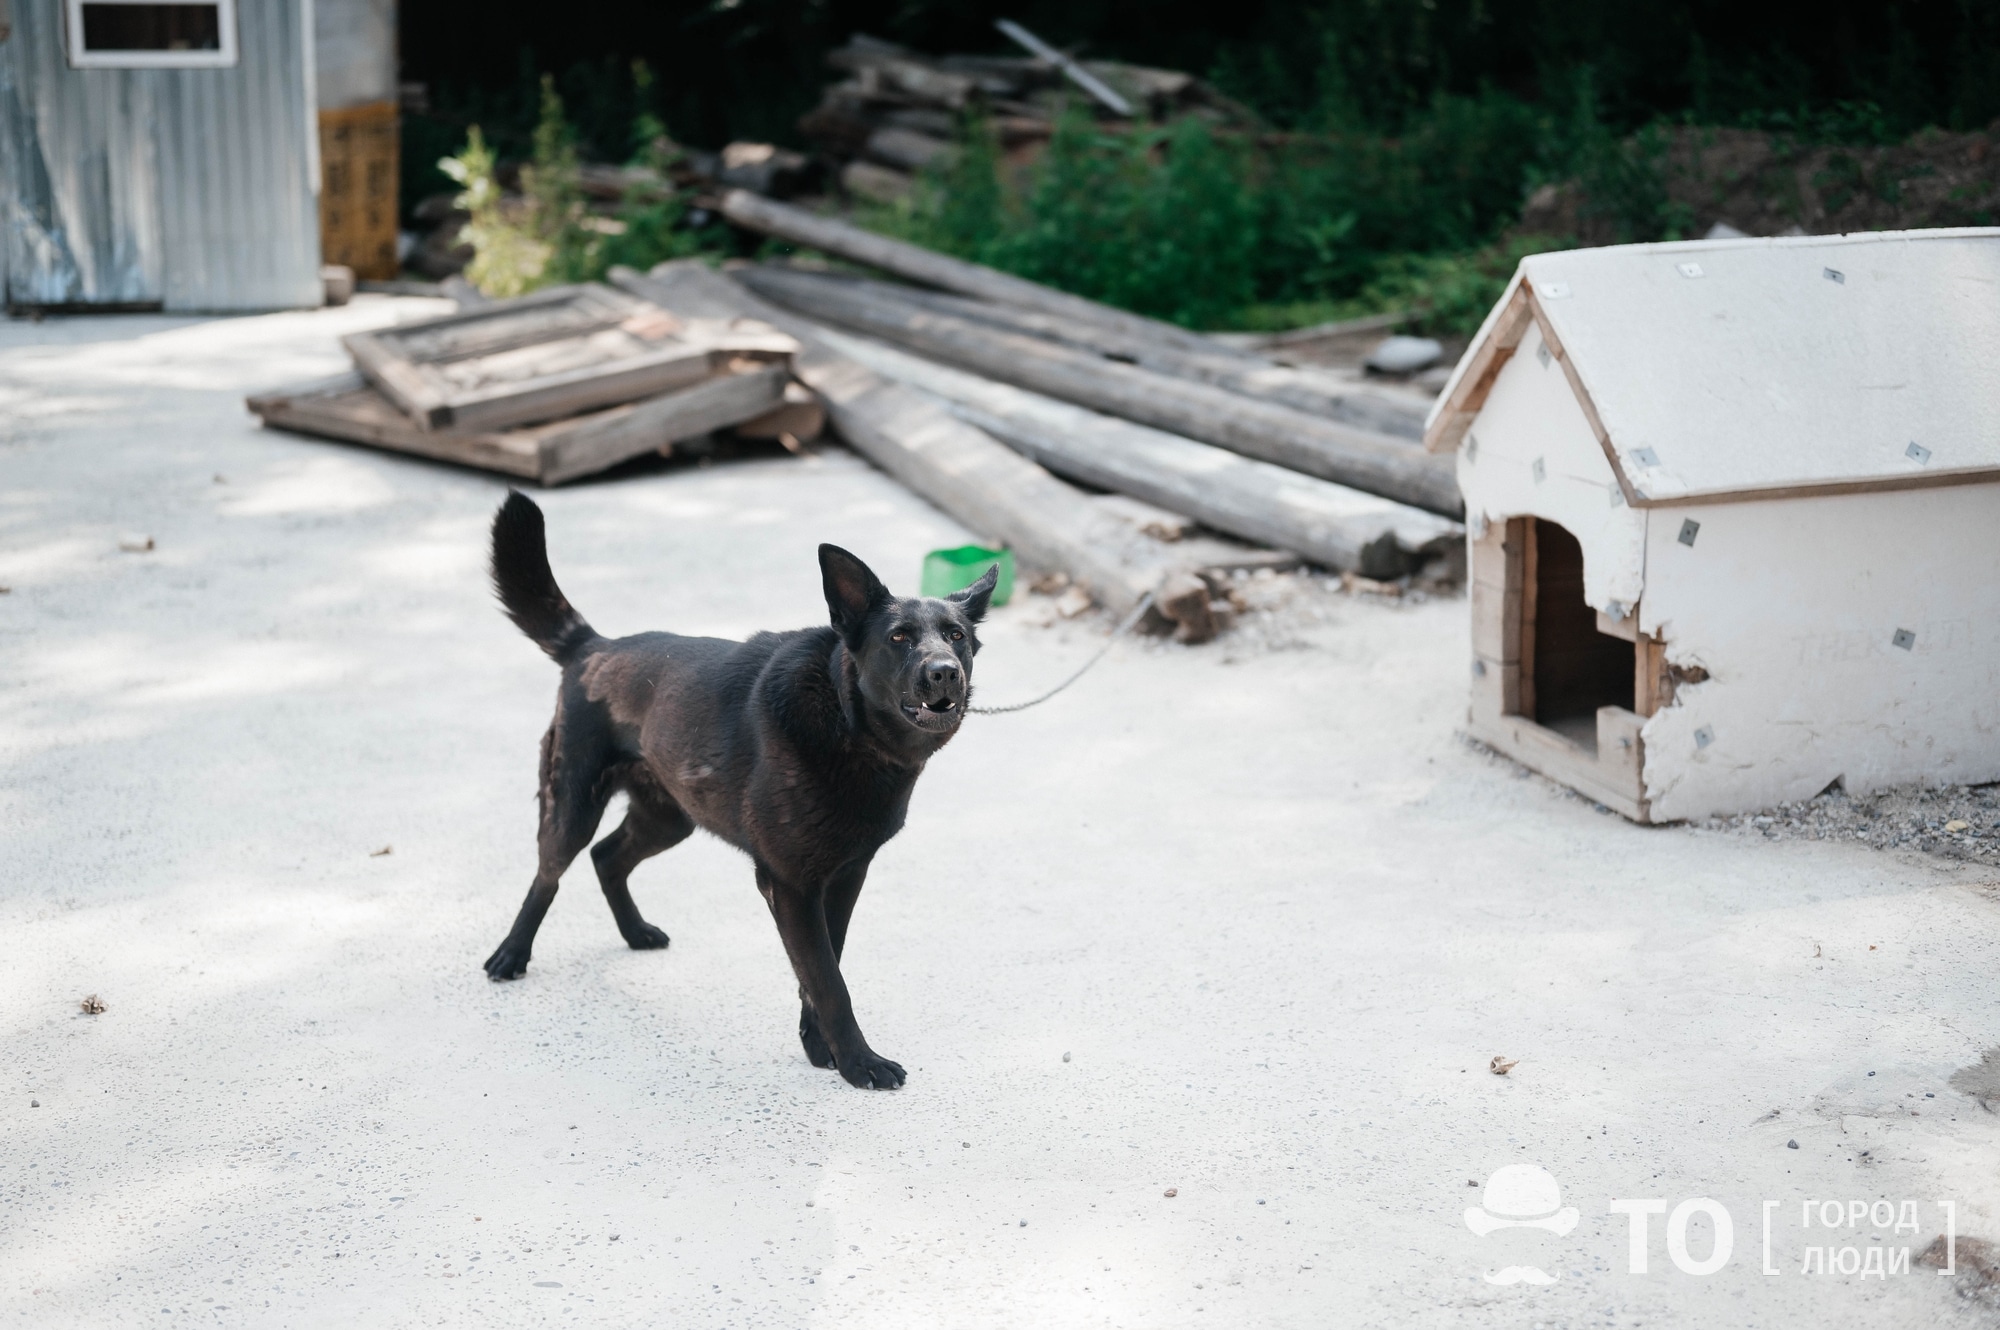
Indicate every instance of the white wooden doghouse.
{"type": "Point", "coordinates": [1734, 525]}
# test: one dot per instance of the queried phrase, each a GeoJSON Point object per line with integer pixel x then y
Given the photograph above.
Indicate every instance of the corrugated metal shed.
{"type": "Point", "coordinates": [191, 188]}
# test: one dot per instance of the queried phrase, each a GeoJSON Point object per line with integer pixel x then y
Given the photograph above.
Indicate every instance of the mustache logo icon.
{"type": "Point", "coordinates": [1521, 1196]}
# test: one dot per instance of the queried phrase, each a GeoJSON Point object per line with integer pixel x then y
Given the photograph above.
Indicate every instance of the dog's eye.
{"type": "Point", "coordinates": [957, 636]}
{"type": "Point", "coordinates": [899, 637]}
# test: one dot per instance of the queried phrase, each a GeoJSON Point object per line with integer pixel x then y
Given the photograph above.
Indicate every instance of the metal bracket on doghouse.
{"type": "Point", "coordinates": [1917, 453]}
{"type": "Point", "coordinates": [1903, 638]}
{"type": "Point", "coordinates": [1834, 275]}
{"type": "Point", "coordinates": [1703, 737]}
{"type": "Point", "coordinates": [1689, 530]}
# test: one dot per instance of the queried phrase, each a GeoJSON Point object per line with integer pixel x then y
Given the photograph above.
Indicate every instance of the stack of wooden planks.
{"type": "Point", "coordinates": [551, 386]}
{"type": "Point", "coordinates": [897, 111]}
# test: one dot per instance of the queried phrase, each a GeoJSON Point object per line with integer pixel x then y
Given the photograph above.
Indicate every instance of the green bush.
{"type": "Point", "coordinates": [1450, 293]}
{"type": "Point", "coordinates": [1159, 221]}
{"type": "Point", "coordinates": [1213, 229]}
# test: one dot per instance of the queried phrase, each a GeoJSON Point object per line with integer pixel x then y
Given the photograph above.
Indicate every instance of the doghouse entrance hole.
{"type": "Point", "coordinates": [1576, 669]}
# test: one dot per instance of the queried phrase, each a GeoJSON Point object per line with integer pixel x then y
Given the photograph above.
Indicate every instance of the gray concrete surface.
{"type": "Point", "coordinates": [1246, 922]}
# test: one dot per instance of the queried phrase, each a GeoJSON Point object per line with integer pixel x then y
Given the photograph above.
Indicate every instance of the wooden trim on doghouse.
{"type": "Point", "coordinates": [1498, 584]}
{"type": "Point", "coordinates": [1652, 678]}
{"type": "Point", "coordinates": [1476, 382]}
{"type": "Point", "coordinates": [1503, 591]}
{"type": "Point", "coordinates": [1526, 565]}
{"type": "Point", "coordinates": [1611, 780]}
{"type": "Point", "coordinates": [1924, 480]}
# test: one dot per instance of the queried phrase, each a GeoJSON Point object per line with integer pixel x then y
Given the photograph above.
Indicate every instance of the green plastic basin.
{"type": "Point", "coordinates": [946, 571]}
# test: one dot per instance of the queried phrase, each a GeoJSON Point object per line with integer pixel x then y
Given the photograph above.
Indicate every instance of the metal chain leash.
{"type": "Point", "coordinates": [1132, 619]}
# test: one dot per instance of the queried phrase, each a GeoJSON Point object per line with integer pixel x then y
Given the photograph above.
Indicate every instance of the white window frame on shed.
{"type": "Point", "coordinates": [223, 57]}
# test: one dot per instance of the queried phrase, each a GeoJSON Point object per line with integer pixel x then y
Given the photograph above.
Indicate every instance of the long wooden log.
{"type": "Point", "coordinates": [1042, 310]}
{"type": "Point", "coordinates": [1315, 392]}
{"type": "Point", "coordinates": [1263, 430]}
{"type": "Point", "coordinates": [992, 489]}
{"type": "Point", "coordinates": [917, 264]}
{"type": "Point", "coordinates": [1327, 523]}
{"type": "Point", "coordinates": [1312, 391]}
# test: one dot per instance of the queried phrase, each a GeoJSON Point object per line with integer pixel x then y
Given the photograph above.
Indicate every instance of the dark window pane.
{"type": "Point", "coordinates": [152, 28]}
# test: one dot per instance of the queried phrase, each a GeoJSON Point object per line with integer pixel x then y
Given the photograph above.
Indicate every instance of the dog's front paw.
{"type": "Point", "coordinates": [646, 938]}
{"type": "Point", "coordinates": [870, 1072]}
{"type": "Point", "coordinates": [817, 1052]}
{"type": "Point", "coordinates": [509, 962]}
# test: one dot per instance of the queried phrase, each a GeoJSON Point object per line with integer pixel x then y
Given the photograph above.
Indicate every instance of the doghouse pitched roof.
{"type": "Point", "coordinates": [1763, 368]}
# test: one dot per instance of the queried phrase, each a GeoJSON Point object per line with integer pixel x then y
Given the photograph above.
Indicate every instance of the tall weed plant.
{"type": "Point", "coordinates": [545, 235]}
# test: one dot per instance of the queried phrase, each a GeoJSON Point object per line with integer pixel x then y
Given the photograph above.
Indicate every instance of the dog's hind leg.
{"type": "Point", "coordinates": [651, 824]}
{"type": "Point", "coordinates": [574, 793]}
{"type": "Point", "coordinates": [841, 894]}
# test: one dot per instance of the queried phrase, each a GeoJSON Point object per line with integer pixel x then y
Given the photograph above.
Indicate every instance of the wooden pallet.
{"type": "Point", "coordinates": [555, 353]}
{"type": "Point", "coordinates": [351, 409]}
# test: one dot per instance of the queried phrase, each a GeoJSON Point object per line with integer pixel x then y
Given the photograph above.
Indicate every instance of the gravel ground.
{"type": "Point", "coordinates": [1952, 821]}
{"type": "Point", "coordinates": [1271, 611]}
{"type": "Point", "coordinates": [1199, 970]}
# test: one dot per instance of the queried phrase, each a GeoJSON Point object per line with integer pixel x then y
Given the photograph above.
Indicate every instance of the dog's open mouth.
{"type": "Point", "coordinates": [934, 715]}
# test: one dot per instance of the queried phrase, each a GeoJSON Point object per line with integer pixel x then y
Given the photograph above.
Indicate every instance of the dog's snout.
{"type": "Point", "coordinates": [941, 672]}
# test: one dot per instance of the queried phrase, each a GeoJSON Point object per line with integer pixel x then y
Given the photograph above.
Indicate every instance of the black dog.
{"type": "Point", "coordinates": [799, 748]}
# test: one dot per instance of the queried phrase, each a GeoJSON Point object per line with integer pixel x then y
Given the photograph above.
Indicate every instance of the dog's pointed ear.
{"type": "Point", "coordinates": [852, 589]}
{"type": "Point", "coordinates": [975, 598]}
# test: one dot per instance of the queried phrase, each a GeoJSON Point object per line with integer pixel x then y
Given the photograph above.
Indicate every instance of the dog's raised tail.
{"type": "Point", "coordinates": [527, 588]}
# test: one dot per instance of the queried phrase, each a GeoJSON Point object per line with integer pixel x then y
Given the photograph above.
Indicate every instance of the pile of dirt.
{"type": "Point", "coordinates": [1766, 184]}
{"type": "Point", "coordinates": [1954, 821]}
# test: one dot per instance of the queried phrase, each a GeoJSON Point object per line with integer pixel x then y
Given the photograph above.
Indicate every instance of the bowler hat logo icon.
{"type": "Point", "coordinates": [1521, 1196]}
